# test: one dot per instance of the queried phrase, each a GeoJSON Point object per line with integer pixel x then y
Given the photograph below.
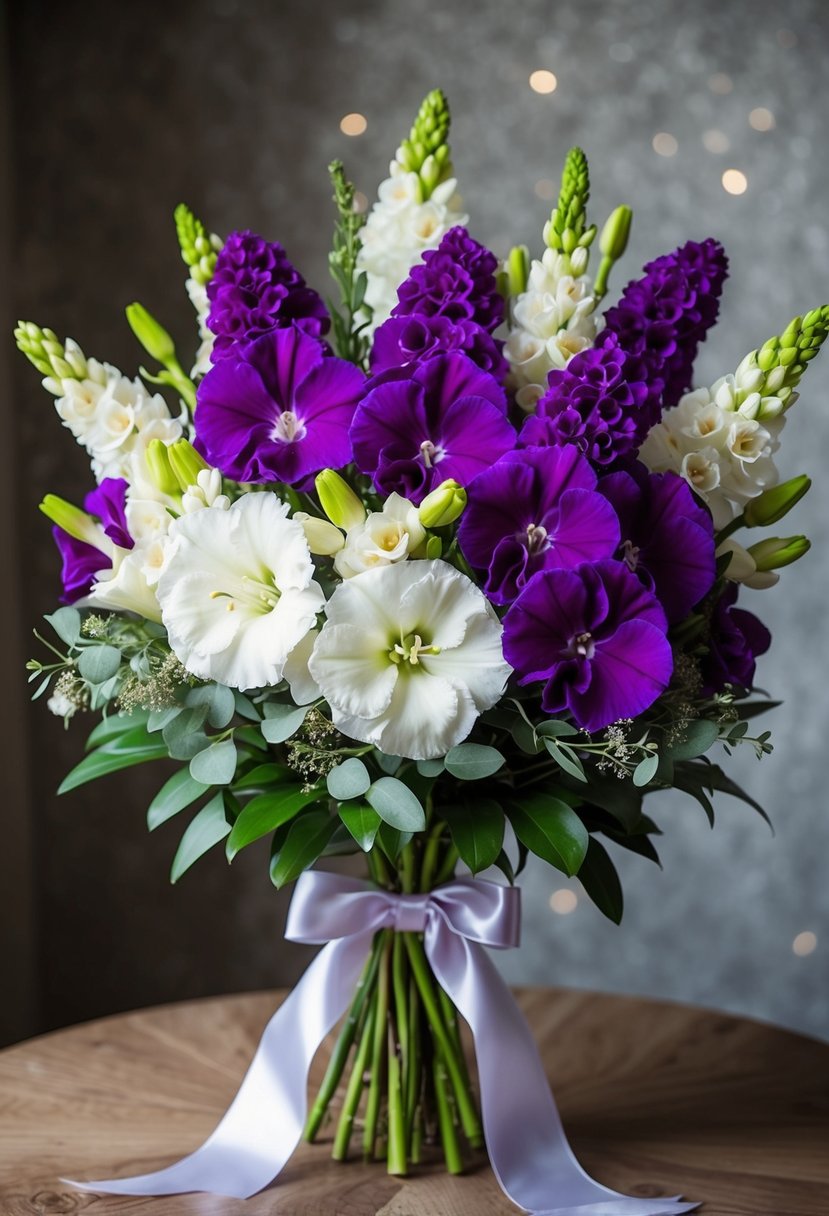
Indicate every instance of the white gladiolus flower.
{"type": "Point", "coordinates": [237, 592]}
{"type": "Point", "coordinates": [409, 657]}
{"type": "Point", "coordinates": [125, 588]}
{"type": "Point", "coordinates": [384, 537]}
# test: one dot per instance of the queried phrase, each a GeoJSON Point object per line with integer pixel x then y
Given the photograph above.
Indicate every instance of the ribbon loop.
{"type": "Point", "coordinates": [527, 1147]}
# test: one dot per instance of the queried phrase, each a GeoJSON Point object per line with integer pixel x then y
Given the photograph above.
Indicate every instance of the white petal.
{"type": "Point", "coordinates": [354, 673]}
{"type": "Point", "coordinates": [478, 665]}
{"type": "Point", "coordinates": [304, 688]}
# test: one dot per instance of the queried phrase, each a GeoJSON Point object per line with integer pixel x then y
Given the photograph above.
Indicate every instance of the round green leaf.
{"type": "Point", "coordinates": [66, 623]}
{"type": "Point", "coordinates": [99, 663]}
{"type": "Point", "coordinates": [473, 761]}
{"type": "Point", "coordinates": [697, 737]}
{"type": "Point", "coordinates": [282, 721]}
{"type": "Point", "coordinates": [396, 805]}
{"type": "Point", "coordinates": [645, 770]}
{"type": "Point", "coordinates": [348, 780]}
{"type": "Point", "coordinates": [216, 765]}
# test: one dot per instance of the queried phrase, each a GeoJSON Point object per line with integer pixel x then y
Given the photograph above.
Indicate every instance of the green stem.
{"type": "Point", "coordinates": [378, 1050]}
{"type": "Point", "coordinates": [466, 1106]}
{"type": "Point", "coordinates": [407, 870]}
{"type": "Point", "coordinates": [345, 1126]}
{"type": "Point", "coordinates": [448, 1132]}
{"type": "Point", "coordinates": [397, 1155]}
{"type": "Point", "coordinates": [400, 987]}
{"type": "Point", "coordinates": [730, 529]}
{"type": "Point", "coordinates": [343, 1045]}
{"type": "Point", "coordinates": [447, 869]}
{"type": "Point", "coordinates": [414, 1080]}
{"type": "Point", "coordinates": [430, 857]}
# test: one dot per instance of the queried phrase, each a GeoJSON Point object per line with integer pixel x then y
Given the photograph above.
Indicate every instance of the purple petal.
{"type": "Point", "coordinates": [630, 670]}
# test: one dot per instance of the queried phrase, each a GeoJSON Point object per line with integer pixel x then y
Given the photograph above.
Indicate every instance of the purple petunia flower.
{"type": "Point", "coordinates": [277, 409]}
{"type": "Point", "coordinates": [534, 510]}
{"type": "Point", "coordinates": [255, 289]}
{"type": "Point", "coordinates": [663, 317]}
{"type": "Point", "coordinates": [81, 562]}
{"type": "Point", "coordinates": [667, 536]}
{"type": "Point", "coordinates": [736, 639]}
{"type": "Point", "coordinates": [596, 637]}
{"type": "Point", "coordinates": [599, 403]}
{"type": "Point", "coordinates": [456, 280]}
{"type": "Point", "coordinates": [424, 423]}
{"type": "Point", "coordinates": [410, 339]}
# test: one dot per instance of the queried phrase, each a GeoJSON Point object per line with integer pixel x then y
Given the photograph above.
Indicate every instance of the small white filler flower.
{"type": "Point", "coordinates": [237, 591]}
{"type": "Point", "coordinates": [409, 657]}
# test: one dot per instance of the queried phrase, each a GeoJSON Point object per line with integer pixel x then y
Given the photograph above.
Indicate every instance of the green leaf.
{"type": "Point", "coordinates": [645, 770]}
{"type": "Point", "coordinates": [159, 718]}
{"type": "Point", "coordinates": [430, 768]}
{"type": "Point", "coordinates": [245, 708]}
{"type": "Point", "coordinates": [389, 764]}
{"type": "Point", "coordinates": [250, 736]}
{"type": "Point", "coordinates": [392, 841]}
{"type": "Point", "coordinates": [99, 663]}
{"type": "Point", "coordinates": [362, 822]}
{"type": "Point", "coordinates": [348, 780]}
{"type": "Point", "coordinates": [177, 793]}
{"type": "Point", "coordinates": [711, 777]}
{"type": "Point", "coordinates": [566, 759]}
{"type": "Point", "coordinates": [598, 876]}
{"type": "Point", "coordinates": [184, 735]}
{"type": "Point", "coordinates": [265, 813]}
{"type": "Point", "coordinates": [134, 747]}
{"type": "Point", "coordinates": [473, 761]}
{"type": "Point", "coordinates": [697, 737]}
{"type": "Point", "coordinates": [505, 866]}
{"type": "Point", "coordinates": [396, 805]}
{"type": "Point", "coordinates": [282, 721]}
{"type": "Point", "coordinates": [305, 841]}
{"type": "Point", "coordinates": [554, 728]}
{"type": "Point", "coordinates": [477, 832]}
{"type": "Point", "coordinates": [66, 623]}
{"type": "Point", "coordinates": [620, 799]}
{"type": "Point", "coordinates": [218, 701]}
{"type": "Point", "coordinates": [550, 829]}
{"type": "Point", "coordinates": [263, 776]}
{"type": "Point", "coordinates": [216, 764]}
{"type": "Point", "coordinates": [753, 709]}
{"type": "Point", "coordinates": [208, 828]}
{"type": "Point", "coordinates": [113, 726]}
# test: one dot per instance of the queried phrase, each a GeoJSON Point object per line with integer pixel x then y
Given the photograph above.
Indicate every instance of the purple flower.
{"type": "Point", "coordinates": [736, 639]}
{"type": "Point", "coordinates": [277, 409]}
{"type": "Point", "coordinates": [419, 425]}
{"type": "Point", "coordinates": [456, 280]}
{"type": "Point", "coordinates": [663, 317]}
{"type": "Point", "coordinates": [81, 562]}
{"type": "Point", "coordinates": [255, 289]}
{"type": "Point", "coordinates": [598, 403]}
{"type": "Point", "coordinates": [596, 637]}
{"type": "Point", "coordinates": [402, 340]}
{"type": "Point", "coordinates": [534, 510]}
{"type": "Point", "coordinates": [667, 536]}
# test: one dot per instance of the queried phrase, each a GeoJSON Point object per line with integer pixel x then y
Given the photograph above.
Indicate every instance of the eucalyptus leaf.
{"type": "Point", "coordinates": [645, 770]}
{"type": "Point", "coordinates": [550, 829]}
{"type": "Point", "coordinates": [697, 737]}
{"type": "Point", "coordinates": [304, 843]}
{"type": "Point", "coordinates": [473, 761]}
{"type": "Point", "coordinates": [66, 623]}
{"type": "Point", "coordinates": [179, 792]}
{"type": "Point", "coordinates": [216, 764]}
{"type": "Point", "coordinates": [348, 780]}
{"type": "Point", "coordinates": [554, 728]}
{"type": "Point", "coordinates": [245, 708]}
{"type": "Point", "coordinates": [477, 832]}
{"type": "Point", "coordinates": [389, 764]}
{"type": "Point", "coordinates": [99, 663]}
{"type": "Point", "coordinates": [265, 813]}
{"type": "Point", "coordinates": [362, 822]}
{"type": "Point", "coordinates": [208, 828]}
{"type": "Point", "coordinates": [566, 759]}
{"type": "Point", "coordinates": [598, 876]}
{"type": "Point", "coordinates": [282, 721]}
{"type": "Point", "coordinates": [124, 751]}
{"type": "Point", "coordinates": [159, 718]}
{"type": "Point", "coordinates": [430, 768]}
{"type": "Point", "coordinates": [218, 700]}
{"type": "Point", "coordinates": [396, 805]}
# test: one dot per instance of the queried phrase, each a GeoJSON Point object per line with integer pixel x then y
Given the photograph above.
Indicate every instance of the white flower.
{"type": "Point", "coordinates": [207, 492]}
{"type": "Point", "coordinates": [742, 567]}
{"type": "Point", "coordinates": [237, 591]}
{"type": "Point", "coordinates": [198, 298]}
{"type": "Point", "coordinates": [60, 705]}
{"type": "Point", "coordinates": [384, 537]}
{"type": "Point", "coordinates": [125, 588]}
{"type": "Point", "coordinates": [399, 229]}
{"type": "Point", "coordinates": [408, 658]}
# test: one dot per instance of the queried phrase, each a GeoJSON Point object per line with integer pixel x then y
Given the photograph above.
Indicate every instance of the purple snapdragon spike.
{"type": "Point", "coordinates": [663, 317]}
{"type": "Point", "coordinates": [278, 409]}
{"type": "Point", "coordinates": [81, 562]}
{"type": "Point", "coordinates": [410, 339]}
{"type": "Point", "coordinates": [735, 641]}
{"type": "Point", "coordinates": [424, 423]}
{"type": "Point", "coordinates": [600, 403]}
{"type": "Point", "coordinates": [535, 509]}
{"type": "Point", "coordinates": [596, 638]}
{"type": "Point", "coordinates": [667, 536]}
{"type": "Point", "coordinates": [456, 280]}
{"type": "Point", "coordinates": [254, 289]}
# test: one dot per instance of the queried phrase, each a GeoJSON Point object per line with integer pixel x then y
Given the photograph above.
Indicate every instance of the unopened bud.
{"type": "Point", "coordinates": [338, 500]}
{"type": "Point", "coordinates": [323, 538]}
{"type": "Point", "coordinates": [444, 505]}
{"type": "Point", "coordinates": [152, 336]}
{"type": "Point", "coordinates": [776, 552]}
{"type": "Point", "coordinates": [158, 463]}
{"type": "Point", "coordinates": [774, 503]}
{"type": "Point", "coordinates": [518, 269]}
{"type": "Point", "coordinates": [71, 519]}
{"type": "Point", "coordinates": [185, 463]}
{"type": "Point", "coordinates": [434, 548]}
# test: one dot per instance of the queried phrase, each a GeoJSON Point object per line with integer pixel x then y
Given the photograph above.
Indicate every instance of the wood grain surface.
{"type": "Point", "coordinates": [656, 1098]}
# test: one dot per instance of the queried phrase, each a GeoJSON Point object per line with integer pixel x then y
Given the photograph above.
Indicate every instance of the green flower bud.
{"type": "Point", "coordinates": [71, 519]}
{"type": "Point", "coordinates": [338, 500]}
{"type": "Point", "coordinates": [434, 548]}
{"type": "Point", "coordinates": [158, 463]}
{"type": "Point", "coordinates": [517, 269]}
{"type": "Point", "coordinates": [568, 222]}
{"type": "Point", "coordinates": [198, 246]}
{"type": "Point", "coordinates": [612, 244]}
{"type": "Point", "coordinates": [444, 505]}
{"type": "Point", "coordinates": [775, 552]}
{"type": "Point", "coordinates": [185, 463]}
{"type": "Point", "coordinates": [152, 336]}
{"type": "Point", "coordinates": [426, 151]}
{"type": "Point", "coordinates": [774, 503]}
{"type": "Point", "coordinates": [46, 352]}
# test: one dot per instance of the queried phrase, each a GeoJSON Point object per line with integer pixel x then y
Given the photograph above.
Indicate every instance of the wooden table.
{"type": "Point", "coordinates": [657, 1099]}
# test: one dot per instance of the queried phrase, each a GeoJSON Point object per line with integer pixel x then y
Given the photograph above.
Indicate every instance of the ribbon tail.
{"type": "Point", "coordinates": [527, 1147]}
{"type": "Point", "coordinates": [264, 1123]}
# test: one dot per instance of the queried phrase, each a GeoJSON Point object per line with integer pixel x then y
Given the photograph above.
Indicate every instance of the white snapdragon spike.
{"type": "Point", "coordinates": [237, 591]}
{"type": "Point", "coordinates": [207, 492]}
{"type": "Point", "coordinates": [409, 657]}
{"type": "Point", "coordinates": [198, 298]}
{"type": "Point", "coordinates": [384, 537]}
{"type": "Point", "coordinates": [724, 451]}
{"type": "Point", "coordinates": [553, 320]}
{"type": "Point", "coordinates": [399, 229]}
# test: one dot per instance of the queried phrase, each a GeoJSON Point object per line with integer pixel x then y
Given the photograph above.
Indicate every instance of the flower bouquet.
{"type": "Point", "coordinates": [442, 572]}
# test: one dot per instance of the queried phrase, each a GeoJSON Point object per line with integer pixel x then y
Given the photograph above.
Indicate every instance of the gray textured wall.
{"type": "Point", "coordinates": [235, 107]}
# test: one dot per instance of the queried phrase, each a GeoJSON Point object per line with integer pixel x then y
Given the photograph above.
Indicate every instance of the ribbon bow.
{"type": "Point", "coordinates": [527, 1147]}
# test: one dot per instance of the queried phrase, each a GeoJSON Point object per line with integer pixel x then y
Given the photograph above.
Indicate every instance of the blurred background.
{"type": "Point", "coordinates": [707, 116]}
